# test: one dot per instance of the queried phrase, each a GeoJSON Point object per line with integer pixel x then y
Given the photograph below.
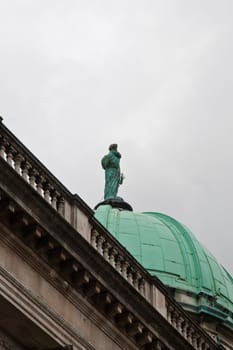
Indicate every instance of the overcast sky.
{"type": "Point", "coordinates": [156, 77]}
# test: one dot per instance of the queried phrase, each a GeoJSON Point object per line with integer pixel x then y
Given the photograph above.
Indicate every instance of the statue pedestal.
{"type": "Point", "coordinates": [118, 203]}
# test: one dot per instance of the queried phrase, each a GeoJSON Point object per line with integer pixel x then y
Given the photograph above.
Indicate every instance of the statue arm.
{"type": "Point", "coordinates": [105, 162]}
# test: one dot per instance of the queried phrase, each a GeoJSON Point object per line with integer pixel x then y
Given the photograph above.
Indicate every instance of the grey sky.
{"type": "Point", "coordinates": [154, 76]}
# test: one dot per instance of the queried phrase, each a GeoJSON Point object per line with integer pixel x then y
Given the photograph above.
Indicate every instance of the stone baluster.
{"type": "Point", "coordinates": [47, 189]}
{"type": "Point", "coordinates": [179, 324]}
{"type": "Point", "coordinates": [100, 243]}
{"type": "Point", "coordinates": [25, 169]}
{"type": "Point", "coordinates": [198, 342]}
{"type": "Point", "coordinates": [186, 330]}
{"type": "Point", "coordinates": [94, 236]}
{"type": "Point", "coordinates": [169, 313]}
{"type": "Point", "coordinates": [40, 182]}
{"type": "Point", "coordinates": [190, 334]}
{"type": "Point", "coordinates": [175, 319]}
{"type": "Point", "coordinates": [192, 337]}
{"type": "Point", "coordinates": [9, 155]}
{"type": "Point", "coordinates": [136, 280]}
{"type": "Point", "coordinates": [142, 286]}
{"type": "Point", "coordinates": [205, 346]}
{"type": "Point", "coordinates": [112, 256]}
{"type": "Point", "coordinates": [130, 275]}
{"type": "Point", "coordinates": [32, 177]}
{"type": "Point", "coordinates": [2, 147]}
{"type": "Point", "coordinates": [195, 340]}
{"type": "Point", "coordinates": [106, 249]}
{"type": "Point", "coordinates": [125, 266]}
{"type": "Point", "coordinates": [61, 206]}
{"type": "Point", "coordinates": [54, 195]}
{"type": "Point", "coordinates": [158, 345]}
{"type": "Point", "coordinates": [18, 161]}
{"type": "Point", "coordinates": [118, 266]}
{"type": "Point", "coordinates": [201, 343]}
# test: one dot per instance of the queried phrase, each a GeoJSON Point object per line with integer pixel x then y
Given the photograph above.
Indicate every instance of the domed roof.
{"type": "Point", "coordinates": [167, 249]}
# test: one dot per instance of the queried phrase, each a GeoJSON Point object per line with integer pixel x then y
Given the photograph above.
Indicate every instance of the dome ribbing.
{"type": "Point", "coordinates": [167, 249]}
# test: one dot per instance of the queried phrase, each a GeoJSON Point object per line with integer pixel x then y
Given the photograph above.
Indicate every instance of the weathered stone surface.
{"type": "Point", "coordinates": [8, 343]}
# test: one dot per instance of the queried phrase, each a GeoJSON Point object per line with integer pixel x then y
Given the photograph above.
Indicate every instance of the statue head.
{"type": "Point", "coordinates": [113, 147]}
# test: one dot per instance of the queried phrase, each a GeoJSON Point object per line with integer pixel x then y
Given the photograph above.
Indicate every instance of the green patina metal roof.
{"type": "Point", "coordinates": [167, 249]}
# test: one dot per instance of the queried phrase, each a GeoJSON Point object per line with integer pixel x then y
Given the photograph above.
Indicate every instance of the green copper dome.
{"type": "Point", "coordinates": [167, 249]}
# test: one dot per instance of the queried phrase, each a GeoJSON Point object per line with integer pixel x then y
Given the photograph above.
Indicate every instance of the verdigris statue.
{"type": "Point", "coordinates": [113, 176]}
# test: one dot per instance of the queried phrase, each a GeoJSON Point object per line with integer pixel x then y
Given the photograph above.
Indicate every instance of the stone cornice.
{"type": "Point", "coordinates": [60, 284]}
{"type": "Point", "coordinates": [12, 290]}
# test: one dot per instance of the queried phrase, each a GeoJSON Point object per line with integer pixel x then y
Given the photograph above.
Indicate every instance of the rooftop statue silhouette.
{"type": "Point", "coordinates": [113, 176]}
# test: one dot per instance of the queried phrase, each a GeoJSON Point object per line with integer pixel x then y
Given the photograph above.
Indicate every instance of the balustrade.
{"type": "Point", "coordinates": [116, 257]}
{"type": "Point", "coordinates": [34, 174]}
{"type": "Point", "coordinates": [186, 327]}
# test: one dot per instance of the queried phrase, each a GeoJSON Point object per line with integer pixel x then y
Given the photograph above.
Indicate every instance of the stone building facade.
{"type": "Point", "coordinates": [66, 282]}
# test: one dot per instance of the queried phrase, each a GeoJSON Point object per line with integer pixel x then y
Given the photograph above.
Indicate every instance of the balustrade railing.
{"type": "Point", "coordinates": [35, 173]}
{"type": "Point", "coordinates": [119, 260]}
{"type": "Point", "coordinates": [187, 328]}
